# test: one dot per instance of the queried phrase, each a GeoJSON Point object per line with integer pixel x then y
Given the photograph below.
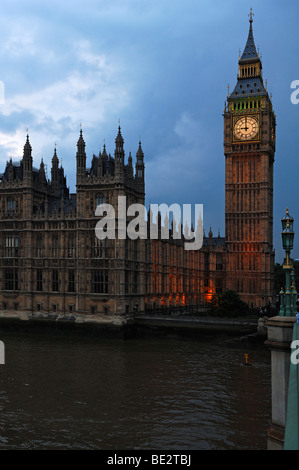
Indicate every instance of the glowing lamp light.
{"type": "Point", "coordinates": [287, 233]}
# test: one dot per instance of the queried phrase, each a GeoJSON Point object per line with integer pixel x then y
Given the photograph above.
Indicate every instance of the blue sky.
{"type": "Point", "coordinates": [162, 68]}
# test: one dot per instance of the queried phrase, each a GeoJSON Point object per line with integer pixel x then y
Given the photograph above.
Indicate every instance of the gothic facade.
{"type": "Point", "coordinates": [52, 262]}
{"type": "Point", "coordinates": [249, 148]}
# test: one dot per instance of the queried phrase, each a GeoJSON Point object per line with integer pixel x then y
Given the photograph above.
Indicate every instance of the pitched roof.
{"type": "Point", "coordinates": [250, 51]}
{"type": "Point", "coordinates": [246, 87]}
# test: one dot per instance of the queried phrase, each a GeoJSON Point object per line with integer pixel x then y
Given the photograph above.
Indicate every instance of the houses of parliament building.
{"type": "Point", "coordinates": [52, 262]}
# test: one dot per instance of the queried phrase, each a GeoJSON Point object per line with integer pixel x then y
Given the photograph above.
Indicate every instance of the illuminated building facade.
{"type": "Point", "coordinates": [249, 147]}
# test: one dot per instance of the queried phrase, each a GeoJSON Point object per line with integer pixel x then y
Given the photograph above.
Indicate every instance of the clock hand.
{"type": "Point", "coordinates": [245, 128]}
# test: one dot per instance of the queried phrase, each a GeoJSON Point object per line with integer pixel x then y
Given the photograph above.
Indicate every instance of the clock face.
{"type": "Point", "coordinates": [246, 128]}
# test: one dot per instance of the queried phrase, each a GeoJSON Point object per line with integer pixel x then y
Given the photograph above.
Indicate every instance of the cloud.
{"type": "Point", "coordinates": [20, 41]}
{"type": "Point", "coordinates": [85, 54]}
{"type": "Point", "coordinates": [182, 165]}
{"type": "Point", "coordinates": [87, 94]}
{"type": "Point", "coordinates": [12, 144]}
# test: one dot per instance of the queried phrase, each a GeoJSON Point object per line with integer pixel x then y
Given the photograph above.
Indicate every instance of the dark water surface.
{"type": "Point", "coordinates": [165, 392]}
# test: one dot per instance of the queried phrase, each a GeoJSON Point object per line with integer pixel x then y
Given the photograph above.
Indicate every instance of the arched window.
{"type": "Point", "coordinates": [100, 248]}
{"type": "Point", "coordinates": [39, 246]}
{"type": "Point", "coordinates": [11, 206]}
{"type": "Point", "coordinates": [11, 246]}
{"type": "Point", "coordinates": [100, 199]}
{"type": "Point", "coordinates": [71, 246]}
{"type": "Point", "coordinates": [55, 246]}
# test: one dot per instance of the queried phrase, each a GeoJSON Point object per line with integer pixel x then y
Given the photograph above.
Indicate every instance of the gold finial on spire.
{"type": "Point", "coordinates": [251, 15]}
{"type": "Point", "coordinates": [228, 89]}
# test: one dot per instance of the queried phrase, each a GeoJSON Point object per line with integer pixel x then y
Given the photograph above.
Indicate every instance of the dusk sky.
{"type": "Point", "coordinates": [162, 68]}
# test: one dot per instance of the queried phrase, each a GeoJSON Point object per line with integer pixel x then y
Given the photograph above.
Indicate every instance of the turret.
{"type": "Point", "coordinates": [139, 174]}
{"type": "Point", "coordinates": [42, 173]}
{"type": "Point", "coordinates": [130, 167]}
{"type": "Point", "coordinates": [119, 154]}
{"type": "Point", "coordinates": [210, 236]}
{"type": "Point", "coordinates": [55, 170]}
{"type": "Point", "coordinates": [103, 159]}
{"type": "Point", "coordinates": [10, 170]}
{"type": "Point", "coordinates": [27, 161]}
{"type": "Point", "coordinates": [81, 158]}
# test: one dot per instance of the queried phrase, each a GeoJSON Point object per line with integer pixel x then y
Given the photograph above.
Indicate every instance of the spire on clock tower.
{"type": "Point", "coordinates": [250, 78]}
{"type": "Point", "coordinates": [250, 51]}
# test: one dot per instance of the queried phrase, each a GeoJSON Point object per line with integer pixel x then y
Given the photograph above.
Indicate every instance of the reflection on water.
{"type": "Point", "coordinates": [145, 393]}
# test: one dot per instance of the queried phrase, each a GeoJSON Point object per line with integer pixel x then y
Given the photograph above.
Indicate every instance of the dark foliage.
{"type": "Point", "coordinates": [228, 304]}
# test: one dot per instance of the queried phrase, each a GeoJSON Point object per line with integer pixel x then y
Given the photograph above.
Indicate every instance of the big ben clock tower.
{"type": "Point", "coordinates": [249, 147]}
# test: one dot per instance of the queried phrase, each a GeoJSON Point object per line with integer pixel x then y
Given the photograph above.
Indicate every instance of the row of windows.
{"type": "Point", "coordinates": [252, 286]}
{"type": "Point", "coordinates": [249, 71]}
{"type": "Point", "coordinates": [11, 205]}
{"type": "Point", "coordinates": [11, 281]}
{"type": "Point", "coordinates": [98, 200]}
{"type": "Point", "coordinates": [99, 280]}
{"type": "Point", "coordinates": [11, 246]}
{"type": "Point", "coordinates": [246, 105]}
{"type": "Point", "coordinates": [99, 249]}
{"type": "Point", "coordinates": [219, 262]}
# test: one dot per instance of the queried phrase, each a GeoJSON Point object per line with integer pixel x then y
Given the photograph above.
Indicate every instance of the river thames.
{"type": "Point", "coordinates": [155, 392]}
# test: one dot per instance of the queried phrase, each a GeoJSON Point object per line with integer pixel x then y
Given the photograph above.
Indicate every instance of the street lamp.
{"type": "Point", "coordinates": [287, 304]}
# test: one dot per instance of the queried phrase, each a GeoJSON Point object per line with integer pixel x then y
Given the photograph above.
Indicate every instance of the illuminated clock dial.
{"type": "Point", "coordinates": [246, 128]}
